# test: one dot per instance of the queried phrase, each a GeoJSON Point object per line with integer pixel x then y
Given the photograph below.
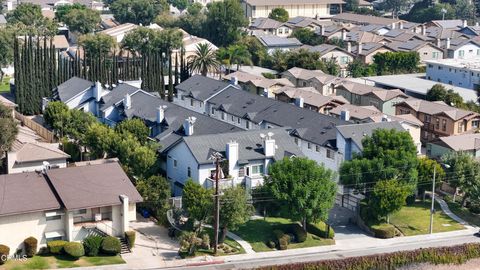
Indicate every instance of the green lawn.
{"type": "Point", "coordinates": [415, 220]}
{"type": "Point", "coordinates": [60, 261]}
{"type": "Point", "coordinates": [5, 85]}
{"type": "Point", "coordinates": [258, 232]}
{"type": "Point", "coordinates": [464, 214]}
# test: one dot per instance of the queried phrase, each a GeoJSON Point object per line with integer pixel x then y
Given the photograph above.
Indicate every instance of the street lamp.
{"type": "Point", "coordinates": [432, 208]}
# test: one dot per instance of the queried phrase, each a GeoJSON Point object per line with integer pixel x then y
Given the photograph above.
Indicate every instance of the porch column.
{"type": "Point", "coordinates": [124, 214]}
{"type": "Point", "coordinates": [68, 226]}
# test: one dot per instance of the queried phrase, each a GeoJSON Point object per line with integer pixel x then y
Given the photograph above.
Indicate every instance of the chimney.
{"type": "Point", "coordinates": [268, 144]}
{"type": "Point", "coordinates": [424, 30]}
{"type": "Point", "coordinates": [97, 91]}
{"type": "Point", "coordinates": [349, 47]}
{"type": "Point", "coordinates": [299, 101]}
{"type": "Point", "coordinates": [344, 34]}
{"type": "Point", "coordinates": [322, 30]}
{"type": "Point", "coordinates": [448, 43]}
{"type": "Point", "coordinates": [477, 24]}
{"type": "Point", "coordinates": [234, 80]}
{"type": "Point", "coordinates": [439, 42]}
{"type": "Point", "coordinates": [265, 92]}
{"type": "Point", "coordinates": [345, 115]}
{"type": "Point", "coordinates": [385, 118]}
{"type": "Point", "coordinates": [401, 25]}
{"type": "Point", "coordinates": [9, 5]}
{"type": "Point", "coordinates": [464, 23]}
{"type": "Point", "coordinates": [127, 101]}
{"type": "Point", "coordinates": [359, 48]}
{"type": "Point", "coordinates": [393, 26]}
{"type": "Point", "coordinates": [232, 155]}
{"type": "Point", "coordinates": [161, 113]}
{"type": "Point", "coordinates": [188, 125]}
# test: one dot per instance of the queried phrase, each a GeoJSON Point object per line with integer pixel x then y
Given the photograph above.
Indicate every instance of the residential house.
{"type": "Point", "coordinates": [467, 143]}
{"type": "Point", "coordinates": [247, 156]}
{"type": "Point", "coordinates": [359, 19]}
{"type": "Point", "coordinates": [9, 104]}
{"type": "Point", "coordinates": [350, 137]}
{"type": "Point", "coordinates": [438, 118]}
{"type": "Point", "coordinates": [257, 84]}
{"type": "Point", "coordinates": [306, 8]}
{"type": "Point", "coordinates": [118, 32]}
{"type": "Point", "coordinates": [331, 52]}
{"type": "Point", "coordinates": [334, 31]}
{"type": "Point", "coordinates": [403, 35]}
{"type": "Point", "coordinates": [269, 26]}
{"type": "Point", "coordinates": [78, 93]}
{"type": "Point", "coordinates": [426, 50]}
{"type": "Point", "coordinates": [190, 44]}
{"type": "Point", "coordinates": [66, 204]}
{"type": "Point", "coordinates": [460, 48]}
{"type": "Point", "coordinates": [309, 98]}
{"type": "Point", "coordinates": [324, 83]}
{"type": "Point", "coordinates": [273, 43]}
{"type": "Point", "coordinates": [458, 72]}
{"type": "Point", "coordinates": [365, 95]}
{"type": "Point", "coordinates": [366, 51]}
{"type": "Point", "coordinates": [301, 22]}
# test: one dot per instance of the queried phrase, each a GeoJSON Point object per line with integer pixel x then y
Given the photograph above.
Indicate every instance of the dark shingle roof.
{"type": "Point", "coordinates": [311, 126]}
{"type": "Point", "coordinates": [201, 88]}
{"type": "Point", "coordinates": [117, 95]}
{"type": "Point", "coordinates": [25, 193]}
{"type": "Point", "coordinates": [93, 186]}
{"type": "Point", "coordinates": [71, 88]}
{"type": "Point", "coordinates": [357, 132]}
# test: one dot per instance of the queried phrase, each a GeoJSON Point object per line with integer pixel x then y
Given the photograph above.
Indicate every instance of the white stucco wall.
{"type": "Point", "coordinates": [461, 77]}
{"type": "Point", "coordinates": [30, 166]}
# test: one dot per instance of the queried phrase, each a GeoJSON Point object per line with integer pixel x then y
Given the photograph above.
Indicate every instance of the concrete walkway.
{"type": "Point", "coordinates": [449, 213]}
{"type": "Point", "coordinates": [245, 245]}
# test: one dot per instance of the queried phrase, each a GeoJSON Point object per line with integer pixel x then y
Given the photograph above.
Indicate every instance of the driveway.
{"type": "Point", "coordinates": [153, 247]}
{"type": "Point", "coordinates": [339, 219]}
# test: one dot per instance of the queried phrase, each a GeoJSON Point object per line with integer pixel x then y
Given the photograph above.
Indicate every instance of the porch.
{"type": "Point", "coordinates": [248, 182]}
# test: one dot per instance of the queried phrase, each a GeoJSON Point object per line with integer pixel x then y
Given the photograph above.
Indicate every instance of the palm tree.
{"type": "Point", "coordinates": [239, 55]}
{"type": "Point", "coordinates": [204, 60]}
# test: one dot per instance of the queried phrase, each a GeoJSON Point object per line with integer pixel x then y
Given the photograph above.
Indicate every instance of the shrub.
{"type": "Point", "coordinates": [56, 247]}
{"type": "Point", "coordinates": [205, 244]}
{"type": "Point", "coordinates": [130, 235]}
{"type": "Point", "coordinates": [282, 239]}
{"type": "Point", "coordinates": [474, 208]}
{"type": "Point", "coordinates": [4, 251]}
{"type": "Point", "coordinates": [271, 244]}
{"type": "Point", "coordinates": [30, 245]}
{"type": "Point", "coordinates": [111, 245]}
{"type": "Point", "coordinates": [384, 230]}
{"type": "Point", "coordinates": [320, 229]}
{"type": "Point", "coordinates": [74, 249]}
{"type": "Point", "coordinates": [92, 245]}
{"type": "Point", "coordinates": [410, 199]}
{"type": "Point", "coordinates": [299, 233]}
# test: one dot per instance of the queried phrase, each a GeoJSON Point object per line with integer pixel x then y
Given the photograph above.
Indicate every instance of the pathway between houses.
{"type": "Point", "coordinates": [449, 213]}
{"type": "Point", "coordinates": [245, 245]}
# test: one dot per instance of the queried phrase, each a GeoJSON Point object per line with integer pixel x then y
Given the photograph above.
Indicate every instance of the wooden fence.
{"type": "Point", "coordinates": [46, 134]}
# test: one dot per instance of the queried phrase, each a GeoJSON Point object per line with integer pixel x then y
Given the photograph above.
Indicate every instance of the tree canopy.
{"type": "Point", "coordinates": [388, 197]}
{"type": "Point", "coordinates": [463, 172]}
{"type": "Point", "coordinates": [9, 129]}
{"type": "Point", "coordinates": [155, 191]}
{"type": "Point", "coordinates": [135, 11]}
{"type": "Point", "coordinates": [82, 20]}
{"type": "Point", "coordinates": [223, 22]}
{"type": "Point", "coordinates": [97, 45]}
{"type": "Point", "coordinates": [198, 202]}
{"type": "Point", "coordinates": [234, 209]}
{"type": "Point", "coordinates": [279, 14]}
{"type": "Point", "coordinates": [204, 60]}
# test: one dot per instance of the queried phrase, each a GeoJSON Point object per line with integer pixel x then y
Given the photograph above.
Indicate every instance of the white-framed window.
{"type": "Point", "coordinates": [344, 60]}
{"type": "Point", "coordinates": [330, 154]}
{"type": "Point", "coordinates": [189, 172]}
{"type": "Point", "coordinates": [239, 120]}
{"type": "Point", "coordinates": [247, 124]}
{"type": "Point", "coordinates": [309, 146]}
{"type": "Point", "coordinates": [317, 148]}
{"type": "Point", "coordinates": [475, 123]}
{"type": "Point", "coordinates": [223, 116]}
{"type": "Point", "coordinates": [79, 212]}
{"type": "Point", "coordinates": [213, 111]}
{"type": "Point", "coordinates": [192, 102]}
{"type": "Point", "coordinates": [256, 169]}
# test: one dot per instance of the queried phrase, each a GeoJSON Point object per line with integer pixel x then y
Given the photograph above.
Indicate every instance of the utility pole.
{"type": "Point", "coordinates": [432, 209]}
{"type": "Point", "coordinates": [218, 158]}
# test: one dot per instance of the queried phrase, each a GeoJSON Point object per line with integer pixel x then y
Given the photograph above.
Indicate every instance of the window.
{"type": "Point", "coordinates": [330, 154]}
{"type": "Point", "coordinates": [437, 123]}
{"type": "Point", "coordinates": [192, 103]}
{"type": "Point", "coordinates": [304, 84]}
{"type": "Point", "coordinates": [257, 169]}
{"type": "Point", "coordinates": [223, 116]}
{"type": "Point", "coordinates": [189, 172]}
{"type": "Point", "coordinates": [317, 148]}
{"type": "Point", "coordinates": [460, 127]}
{"type": "Point", "coordinates": [344, 60]}
{"type": "Point", "coordinates": [296, 140]}
{"type": "Point", "coordinates": [201, 104]}
{"type": "Point", "coordinates": [434, 56]}
{"type": "Point", "coordinates": [461, 53]}
{"type": "Point", "coordinates": [182, 97]}
{"type": "Point", "coordinates": [309, 145]}
{"type": "Point", "coordinates": [239, 120]}
{"type": "Point", "coordinates": [444, 125]}
{"type": "Point", "coordinates": [427, 118]}
{"type": "Point", "coordinates": [280, 31]}
{"type": "Point", "coordinates": [475, 124]}
{"type": "Point", "coordinates": [247, 124]}
{"type": "Point", "coordinates": [213, 111]}
{"type": "Point", "coordinates": [57, 217]}
{"type": "Point", "coordinates": [175, 163]}
{"type": "Point", "coordinates": [80, 212]}
{"type": "Point", "coordinates": [478, 51]}
{"type": "Point", "coordinates": [233, 118]}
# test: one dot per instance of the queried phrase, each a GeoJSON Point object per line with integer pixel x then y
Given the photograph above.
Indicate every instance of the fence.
{"type": "Point", "coordinates": [46, 134]}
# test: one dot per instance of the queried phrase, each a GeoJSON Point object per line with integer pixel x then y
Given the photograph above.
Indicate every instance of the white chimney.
{"type": "Point", "coordinates": [127, 101]}
{"type": "Point", "coordinates": [464, 23]}
{"type": "Point", "coordinates": [349, 47]}
{"type": "Point", "coordinates": [234, 80]}
{"type": "Point", "coordinates": [477, 24]}
{"type": "Point", "coordinates": [448, 43]}
{"type": "Point", "coordinates": [385, 118]}
{"type": "Point", "coordinates": [97, 91]}
{"type": "Point", "coordinates": [161, 113]}
{"type": "Point", "coordinates": [188, 125]}
{"type": "Point", "coordinates": [439, 42]}
{"type": "Point", "coordinates": [424, 30]}
{"type": "Point", "coordinates": [322, 30]}
{"type": "Point", "coordinates": [232, 155]}
{"type": "Point", "coordinates": [401, 25]}
{"type": "Point", "coordinates": [345, 115]}
{"type": "Point", "coordinates": [9, 5]}
{"type": "Point", "coordinates": [299, 101]}
{"type": "Point", "coordinates": [268, 144]}
{"type": "Point", "coordinates": [393, 26]}
{"type": "Point", "coordinates": [344, 34]}
{"type": "Point", "coordinates": [359, 48]}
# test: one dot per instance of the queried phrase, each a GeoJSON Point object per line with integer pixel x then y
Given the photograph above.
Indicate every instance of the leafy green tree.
{"type": "Point", "coordinates": [9, 129]}
{"type": "Point", "coordinates": [278, 60]}
{"type": "Point", "coordinates": [180, 4]}
{"type": "Point", "coordinates": [27, 14]}
{"type": "Point", "coordinates": [234, 210]}
{"type": "Point", "coordinates": [453, 98]}
{"type": "Point", "coordinates": [155, 191]}
{"type": "Point", "coordinates": [168, 40]}
{"type": "Point", "coordinates": [307, 36]}
{"type": "Point", "coordinates": [62, 10]}
{"type": "Point", "coordinates": [423, 12]}
{"type": "Point", "coordinates": [136, 157]}
{"type": "Point", "coordinates": [305, 190]}
{"type": "Point", "coordinates": [438, 92]}
{"type": "Point", "coordinates": [78, 124]}
{"type": "Point", "coordinates": [396, 6]}
{"type": "Point", "coordinates": [57, 116]}
{"type": "Point", "coordinates": [97, 45]}
{"type": "Point", "coordinates": [198, 202]}
{"type": "Point", "coordinates": [135, 127]}
{"type": "Point", "coordinates": [82, 20]}
{"type": "Point", "coordinates": [135, 11]}
{"type": "Point", "coordinates": [465, 10]}
{"type": "Point", "coordinates": [332, 67]}
{"type": "Point", "coordinates": [396, 62]}
{"type": "Point", "coordinates": [257, 51]}
{"type": "Point", "coordinates": [99, 139]}
{"type": "Point", "coordinates": [204, 60]}
{"type": "Point", "coordinates": [139, 40]}
{"type": "Point", "coordinates": [239, 55]}
{"type": "Point", "coordinates": [194, 8]}
{"type": "Point", "coordinates": [6, 49]}
{"type": "Point", "coordinates": [193, 23]}
{"type": "Point", "coordinates": [223, 22]}
{"type": "Point", "coordinates": [279, 14]}
{"type": "Point", "coordinates": [463, 172]}
{"type": "Point", "coordinates": [304, 59]}
{"type": "Point", "coordinates": [425, 170]}
{"type": "Point", "coordinates": [388, 197]}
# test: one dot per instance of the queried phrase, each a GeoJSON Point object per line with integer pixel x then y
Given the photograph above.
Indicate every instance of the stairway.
{"type": "Point", "coordinates": [94, 231]}
{"type": "Point", "coordinates": [125, 248]}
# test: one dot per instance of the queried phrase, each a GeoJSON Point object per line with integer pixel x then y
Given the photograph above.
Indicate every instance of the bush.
{"type": "Point", "coordinates": [92, 245]}
{"type": "Point", "coordinates": [320, 229]}
{"type": "Point", "coordinates": [56, 247]}
{"type": "Point", "coordinates": [299, 233]}
{"type": "Point", "coordinates": [384, 230]}
{"type": "Point", "coordinates": [74, 249]}
{"type": "Point", "coordinates": [111, 245]}
{"type": "Point", "coordinates": [4, 252]}
{"type": "Point", "coordinates": [30, 245]}
{"type": "Point", "coordinates": [474, 208]}
{"type": "Point", "coordinates": [410, 199]}
{"type": "Point", "coordinates": [130, 235]}
{"type": "Point", "coordinates": [205, 244]}
{"type": "Point", "coordinates": [282, 239]}
{"type": "Point", "coordinates": [271, 244]}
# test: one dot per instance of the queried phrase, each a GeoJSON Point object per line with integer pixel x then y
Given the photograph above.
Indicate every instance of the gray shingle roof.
{"type": "Point", "coordinates": [71, 88]}
{"type": "Point", "coordinates": [316, 128]}
{"type": "Point", "coordinates": [274, 41]}
{"type": "Point", "coordinates": [357, 132]}
{"type": "Point", "coordinates": [201, 88]}
{"type": "Point", "coordinates": [250, 145]}
{"type": "Point", "coordinates": [116, 95]}
{"type": "Point", "coordinates": [265, 23]}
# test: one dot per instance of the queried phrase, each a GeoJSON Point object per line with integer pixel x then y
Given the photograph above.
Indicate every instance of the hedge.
{"type": "Point", "coordinates": [299, 233]}
{"type": "Point", "coordinates": [130, 235]}
{"type": "Point", "coordinates": [320, 229]}
{"type": "Point", "coordinates": [384, 230]}
{"type": "Point", "coordinates": [4, 251]}
{"type": "Point", "coordinates": [30, 245]}
{"type": "Point", "coordinates": [74, 249]}
{"type": "Point", "coordinates": [92, 245]}
{"type": "Point", "coordinates": [111, 245]}
{"type": "Point", "coordinates": [441, 255]}
{"type": "Point", "coordinates": [282, 239]}
{"type": "Point", "coordinates": [56, 247]}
